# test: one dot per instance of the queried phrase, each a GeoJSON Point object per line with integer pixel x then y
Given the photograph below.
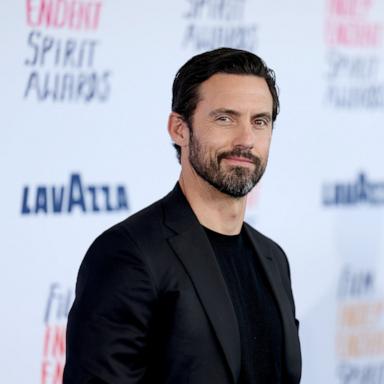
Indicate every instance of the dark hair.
{"type": "Point", "coordinates": [201, 67]}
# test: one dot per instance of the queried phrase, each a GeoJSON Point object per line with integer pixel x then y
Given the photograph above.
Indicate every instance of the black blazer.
{"type": "Point", "coordinates": [152, 306]}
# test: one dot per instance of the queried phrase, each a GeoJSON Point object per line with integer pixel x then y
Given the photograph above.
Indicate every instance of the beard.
{"type": "Point", "coordinates": [237, 181]}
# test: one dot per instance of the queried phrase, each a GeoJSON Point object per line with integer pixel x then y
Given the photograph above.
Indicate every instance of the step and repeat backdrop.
{"type": "Point", "coordinates": [85, 95]}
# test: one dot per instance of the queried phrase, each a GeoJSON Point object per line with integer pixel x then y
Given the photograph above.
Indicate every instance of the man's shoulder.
{"type": "Point", "coordinates": [148, 229]}
{"type": "Point", "coordinates": [132, 235]}
{"type": "Point", "coordinates": [144, 222]}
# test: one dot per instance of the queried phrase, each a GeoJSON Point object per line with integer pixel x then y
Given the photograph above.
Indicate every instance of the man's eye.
{"type": "Point", "coordinates": [223, 118]}
{"type": "Point", "coordinates": [261, 122]}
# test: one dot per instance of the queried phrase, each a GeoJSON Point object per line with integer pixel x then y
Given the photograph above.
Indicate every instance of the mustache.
{"type": "Point", "coordinates": [238, 152]}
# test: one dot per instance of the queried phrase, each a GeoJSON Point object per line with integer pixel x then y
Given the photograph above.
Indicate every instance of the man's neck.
{"type": "Point", "coordinates": [214, 209]}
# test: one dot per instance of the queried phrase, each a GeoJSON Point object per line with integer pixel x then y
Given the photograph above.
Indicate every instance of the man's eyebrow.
{"type": "Point", "coordinates": [226, 111]}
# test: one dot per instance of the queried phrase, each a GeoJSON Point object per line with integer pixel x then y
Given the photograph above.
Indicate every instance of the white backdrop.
{"type": "Point", "coordinates": [85, 96]}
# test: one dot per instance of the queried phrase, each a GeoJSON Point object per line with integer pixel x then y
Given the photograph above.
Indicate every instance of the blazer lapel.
{"type": "Point", "coordinates": [195, 252]}
{"type": "Point", "coordinates": [291, 342]}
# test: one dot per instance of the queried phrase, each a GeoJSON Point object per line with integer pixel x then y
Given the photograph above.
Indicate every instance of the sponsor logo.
{"type": "Point", "coordinates": [64, 14]}
{"type": "Point", "coordinates": [351, 23]}
{"type": "Point", "coordinates": [64, 68]}
{"type": "Point", "coordinates": [212, 24]}
{"type": "Point", "coordinates": [359, 328]}
{"type": "Point", "coordinates": [76, 196]}
{"type": "Point", "coordinates": [354, 37]}
{"type": "Point", "coordinates": [57, 308]}
{"type": "Point", "coordinates": [360, 191]}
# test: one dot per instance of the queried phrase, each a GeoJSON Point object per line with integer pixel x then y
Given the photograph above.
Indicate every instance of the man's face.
{"type": "Point", "coordinates": [231, 132]}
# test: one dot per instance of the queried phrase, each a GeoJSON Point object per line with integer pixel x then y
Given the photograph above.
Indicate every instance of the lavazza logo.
{"type": "Point", "coordinates": [75, 196]}
{"type": "Point", "coordinates": [360, 191]}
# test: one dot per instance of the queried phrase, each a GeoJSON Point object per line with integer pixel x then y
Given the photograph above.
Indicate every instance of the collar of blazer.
{"type": "Point", "coordinates": [192, 246]}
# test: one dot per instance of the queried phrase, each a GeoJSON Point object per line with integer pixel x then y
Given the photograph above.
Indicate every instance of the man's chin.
{"type": "Point", "coordinates": [236, 194]}
{"type": "Point", "coordinates": [235, 190]}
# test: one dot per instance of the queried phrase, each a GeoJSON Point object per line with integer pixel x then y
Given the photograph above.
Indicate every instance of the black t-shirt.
{"type": "Point", "coordinates": [259, 319]}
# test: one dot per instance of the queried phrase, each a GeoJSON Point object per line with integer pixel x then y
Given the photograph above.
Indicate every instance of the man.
{"type": "Point", "coordinates": [184, 291]}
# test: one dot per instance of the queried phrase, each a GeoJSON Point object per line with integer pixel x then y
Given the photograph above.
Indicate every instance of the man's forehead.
{"type": "Point", "coordinates": [234, 89]}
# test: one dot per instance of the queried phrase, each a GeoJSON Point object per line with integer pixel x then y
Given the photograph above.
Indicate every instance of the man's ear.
{"type": "Point", "coordinates": [178, 129]}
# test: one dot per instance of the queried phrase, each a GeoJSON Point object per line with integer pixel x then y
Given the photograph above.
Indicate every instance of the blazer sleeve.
{"type": "Point", "coordinates": [108, 325]}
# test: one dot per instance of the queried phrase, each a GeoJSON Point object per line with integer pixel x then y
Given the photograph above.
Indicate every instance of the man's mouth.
{"type": "Point", "coordinates": [239, 160]}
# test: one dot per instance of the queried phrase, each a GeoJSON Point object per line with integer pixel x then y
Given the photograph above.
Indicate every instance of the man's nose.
{"type": "Point", "coordinates": [245, 135]}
